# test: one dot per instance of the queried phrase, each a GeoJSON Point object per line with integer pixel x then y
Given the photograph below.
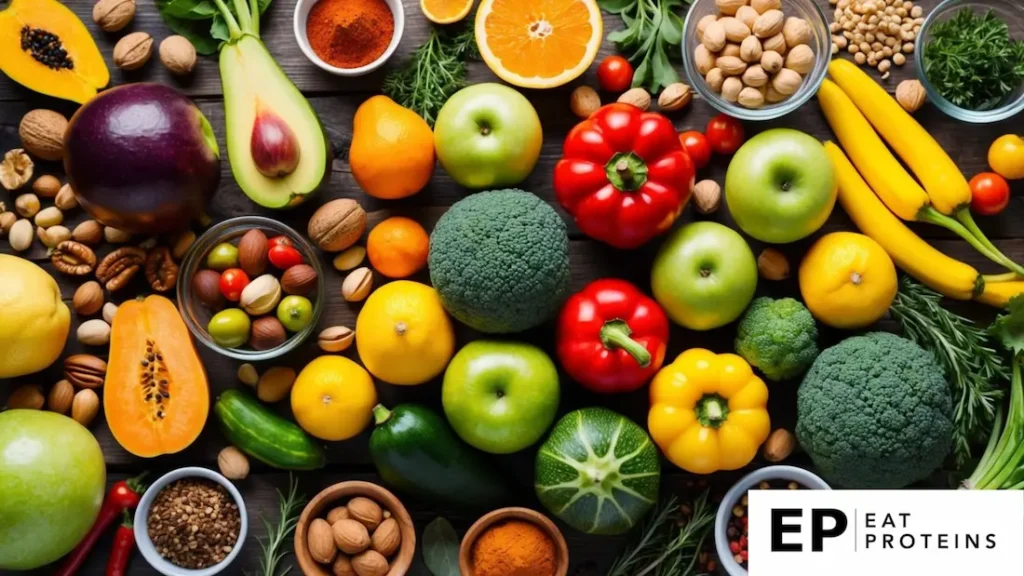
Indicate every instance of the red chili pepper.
{"type": "Point", "coordinates": [611, 336]}
{"type": "Point", "coordinates": [124, 544]}
{"type": "Point", "coordinates": [123, 495]}
{"type": "Point", "coordinates": [624, 176]}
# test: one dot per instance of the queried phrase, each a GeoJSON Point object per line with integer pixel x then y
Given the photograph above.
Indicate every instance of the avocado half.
{"type": "Point", "coordinates": [252, 79]}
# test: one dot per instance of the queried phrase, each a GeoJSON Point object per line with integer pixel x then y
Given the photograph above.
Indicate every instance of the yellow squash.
{"type": "Point", "coordinates": [939, 272]}
{"type": "Point", "coordinates": [708, 411]}
{"type": "Point", "coordinates": [998, 294]}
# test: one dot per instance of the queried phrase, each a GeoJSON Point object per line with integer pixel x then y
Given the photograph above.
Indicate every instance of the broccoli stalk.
{"type": "Point", "coordinates": [1002, 465]}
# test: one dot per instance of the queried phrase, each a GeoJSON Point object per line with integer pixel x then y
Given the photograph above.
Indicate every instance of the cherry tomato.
{"type": "Point", "coordinates": [232, 282]}
{"type": "Point", "coordinates": [284, 257]}
{"type": "Point", "coordinates": [615, 74]}
{"type": "Point", "coordinates": [725, 134]}
{"type": "Point", "coordinates": [697, 146]}
{"type": "Point", "coordinates": [280, 241]}
{"type": "Point", "coordinates": [990, 193]}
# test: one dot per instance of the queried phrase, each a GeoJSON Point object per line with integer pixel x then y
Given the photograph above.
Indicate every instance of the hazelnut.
{"type": "Point", "coordinates": [267, 333]}
{"type": "Point", "coordinates": [88, 299]}
{"type": "Point", "coordinates": [707, 195]}
{"type": "Point", "coordinates": [206, 287]}
{"type": "Point", "coordinates": [299, 280]}
{"type": "Point", "coordinates": [233, 464]}
{"type": "Point", "coordinates": [337, 225]}
{"type": "Point", "coordinates": [350, 536]}
{"type": "Point", "coordinates": [27, 205]}
{"type": "Point", "coordinates": [178, 55]}
{"type": "Point", "coordinates": [252, 252]}
{"type": "Point", "coordinates": [584, 101]}
{"type": "Point", "coordinates": [773, 264]}
{"type": "Point", "coordinates": [320, 541]}
{"type": "Point", "coordinates": [365, 511]}
{"type": "Point", "coordinates": [133, 51]}
{"type": "Point", "coordinates": [911, 95]}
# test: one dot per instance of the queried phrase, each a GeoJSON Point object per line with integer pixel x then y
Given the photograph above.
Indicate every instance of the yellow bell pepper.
{"type": "Point", "coordinates": [708, 411]}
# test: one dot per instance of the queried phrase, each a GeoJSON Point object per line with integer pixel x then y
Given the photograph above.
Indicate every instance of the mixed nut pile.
{"type": "Point", "coordinates": [358, 538]}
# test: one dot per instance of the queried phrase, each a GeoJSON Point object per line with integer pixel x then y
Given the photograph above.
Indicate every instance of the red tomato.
{"type": "Point", "coordinates": [697, 146]}
{"type": "Point", "coordinates": [615, 74]}
{"type": "Point", "coordinates": [284, 257]}
{"type": "Point", "coordinates": [725, 134]}
{"type": "Point", "coordinates": [990, 193]}
{"type": "Point", "coordinates": [279, 241]}
{"type": "Point", "coordinates": [232, 282]}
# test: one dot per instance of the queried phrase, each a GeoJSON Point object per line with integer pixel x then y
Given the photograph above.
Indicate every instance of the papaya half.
{"type": "Point", "coordinates": [46, 48]}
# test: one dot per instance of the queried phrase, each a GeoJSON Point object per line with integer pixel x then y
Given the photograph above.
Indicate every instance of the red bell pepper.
{"type": "Point", "coordinates": [611, 336]}
{"type": "Point", "coordinates": [623, 175]}
{"type": "Point", "coordinates": [123, 495]}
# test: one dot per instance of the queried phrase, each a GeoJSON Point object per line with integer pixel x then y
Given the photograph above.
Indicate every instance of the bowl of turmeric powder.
{"type": "Point", "coordinates": [513, 541]}
{"type": "Point", "coordinates": [348, 37]}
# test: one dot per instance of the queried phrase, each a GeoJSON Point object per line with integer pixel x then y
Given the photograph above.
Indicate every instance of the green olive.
{"type": "Point", "coordinates": [295, 312]}
{"type": "Point", "coordinates": [229, 328]}
{"type": "Point", "coordinates": [222, 257]}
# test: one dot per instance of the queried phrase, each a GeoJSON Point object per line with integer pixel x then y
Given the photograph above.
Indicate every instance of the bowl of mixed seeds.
{"type": "Point", "coordinates": [191, 522]}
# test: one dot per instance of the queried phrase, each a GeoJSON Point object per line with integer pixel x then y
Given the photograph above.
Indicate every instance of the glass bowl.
{"type": "Point", "coordinates": [1011, 12]}
{"type": "Point", "coordinates": [821, 44]}
{"type": "Point", "coordinates": [197, 316]}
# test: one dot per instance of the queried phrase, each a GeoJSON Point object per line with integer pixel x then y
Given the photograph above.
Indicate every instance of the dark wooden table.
{"type": "Point", "coordinates": [335, 100]}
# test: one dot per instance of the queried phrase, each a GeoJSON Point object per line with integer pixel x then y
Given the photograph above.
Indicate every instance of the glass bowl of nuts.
{"type": "Point", "coordinates": [250, 288]}
{"type": "Point", "coordinates": [969, 80]}
{"type": "Point", "coordinates": [756, 59]}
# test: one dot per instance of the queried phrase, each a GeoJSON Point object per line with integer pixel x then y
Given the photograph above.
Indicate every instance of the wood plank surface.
{"type": "Point", "coordinates": [335, 100]}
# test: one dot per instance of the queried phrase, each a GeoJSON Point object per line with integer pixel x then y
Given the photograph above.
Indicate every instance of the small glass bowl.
{"type": "Point", "coordinates": [197, 316]}
{"type": "Point", "coordinates": [1011, 12]}
{"type": "Point", "coordinates": [821, 44]}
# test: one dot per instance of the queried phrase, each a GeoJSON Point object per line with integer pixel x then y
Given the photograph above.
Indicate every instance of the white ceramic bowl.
{"type": "Point", "coordinates": [302, 9]}
{"type": "Point", "coordinates": [769, 473]}
{"type": "Point", "coordinates": [142, 516]}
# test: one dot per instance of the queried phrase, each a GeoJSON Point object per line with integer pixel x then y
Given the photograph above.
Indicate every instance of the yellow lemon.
{"type": "Point", "coordinates": [403, 334]}
{"type": "Point", "coordinates": [847, 280]}
{"type": "Point", "coordinates": [35, 321]}
{"type": "Point", "coordinates": [333, 398]}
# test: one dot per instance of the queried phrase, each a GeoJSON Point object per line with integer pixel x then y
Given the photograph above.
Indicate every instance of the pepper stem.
{"type": "Point", "coordinates": [126, 519]}
{"type": "Point", "coordinates": [137, 484]}
{"type": "Point", "coordinates": [616, 334]}
{"type": "Point", "coordinates": [380, 414]}
{"type": "Point", "coordinates": [626, 171]}
{"type": "Point", "coordinates": [712, 411]}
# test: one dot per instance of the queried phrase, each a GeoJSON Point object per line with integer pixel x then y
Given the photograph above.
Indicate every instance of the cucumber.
{"type": "Point", "coordinates": [264, 435]}
{"type": "Point", "coordinates": [416, 451]}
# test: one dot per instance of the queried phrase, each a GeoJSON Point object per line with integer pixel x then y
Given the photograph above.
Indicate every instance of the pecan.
{"type": "Point", "coordinates": [85, 371]}
{"type": "Point", "coordinates": [120, 266]}
{"type": "Point", "coordinates": [161, 271]}
{"type": "Point", "coordinates": [73, 258]}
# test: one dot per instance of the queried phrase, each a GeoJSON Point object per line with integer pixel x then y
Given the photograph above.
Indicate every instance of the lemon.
{"type": "Point", "coordinates": [35, 320]}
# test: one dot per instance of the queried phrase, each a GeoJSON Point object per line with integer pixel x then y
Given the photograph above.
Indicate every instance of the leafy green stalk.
{"type": "Point", "coordinates": [973, 367]}
{"type": "Point", "coordinates": [651, 39]}
{"type": "Point", "coordinates": [210, 23]}
{"type": "Point", "coordinates": [1002, 466]}
{"type": "Point", "coordinates": [275, 545]}
{"type": "Point", "coordinates": [436, 71]}
{"type": "Point", "coordinates": [669, 543]}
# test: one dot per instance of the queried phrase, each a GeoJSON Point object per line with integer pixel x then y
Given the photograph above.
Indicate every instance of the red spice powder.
{"type": "Point", "coordinates": [350, 33]}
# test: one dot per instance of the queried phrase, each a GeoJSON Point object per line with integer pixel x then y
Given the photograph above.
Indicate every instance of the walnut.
{"type": "Point", "coordinates": [133, 51]}
{"type": "Point", "coordinates": [911, 95]}
{"type": "Point", "coordinates": [16, 169]}
{"type": "Point", "coordinates": [120, 266]}
{"type": "Point", "coordinates": [73, 258]}
{"type": "Point", "coordinates": [113, 15]}
{"type": "Point", "coordinates": [161, 271]}
{"type": "Point", "coordinates": [178, 55]}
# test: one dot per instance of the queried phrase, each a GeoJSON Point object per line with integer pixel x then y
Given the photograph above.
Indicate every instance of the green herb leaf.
{"type": "Point", "coordinates": [219, 29]}
{"type": "Point", "coordinates": [1009, 327]}
{"type": "Point", "coordinates": [441, 548]}
{"type": "Point", "coordinates": [200, 21]}
{"type": "Point", "coordinates": [276, 544]}
{"type": "Point", "coordinates": [650, 39]}
{"type": "Point", "coordinates": [669, 542]}
{"type": "Point", "coordinates": [197, 31]}
{"type": "Point", "coordinates": [615, 6]}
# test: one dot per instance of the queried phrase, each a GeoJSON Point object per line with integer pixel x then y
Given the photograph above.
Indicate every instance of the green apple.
{"type": "Point", "coordinates": [500, 396]}
{"type": "Point", "coordinates": [704, 276]}
{"type": "Point", "coordinates": [488, 136]}
{"type": "Point", "coordinates": [780, 186]}
{"type": "Point", "coordinates": [52, 478]}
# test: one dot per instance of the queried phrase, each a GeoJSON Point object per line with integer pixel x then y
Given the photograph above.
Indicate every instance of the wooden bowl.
{"type": "Point", "coordinates": [503, 514]}
{"type": "Point", "coordinates": [342, 491]}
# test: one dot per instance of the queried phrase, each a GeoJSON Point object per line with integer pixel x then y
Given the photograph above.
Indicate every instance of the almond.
{"type": "Point", "coordinates": [343, 566]}
{"type": "Point", "coordinates": [320, 540]}
{"type": "Point", "coordinates": [337, 513]}
{"type": "Point", "coordinates": [88, 299]}
{"type": "Point", "coordinates": [85, 406]}
{"type": "Point", "coordinates": [386, 538]}
{"type": "Point", "coordinates": [60, 397]}
{"type": "Point", "coordinates": [89, 232]}
{"type": "Point", "coordinates": [365, 511]}
{"type": "Point", "coordinates": [779, 445]}
{"type": "Point", "coordinates": [370, 563]}
{"type": "Point", "coordinates": [275, 384]}
{"type": "Point", "coordinates": [299, 280]}
{"type": "Point", "coordinates": [252, 253]}
{"type": "Point", "coordinates": [350, 536]}
{"type": "Point", "coordinates": [26, 397]}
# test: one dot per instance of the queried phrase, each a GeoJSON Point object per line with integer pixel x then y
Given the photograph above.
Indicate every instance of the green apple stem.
{"type": "Point", "coordinates": [616, 334]}
{"type": "Point", "coordinates": [380, 414]}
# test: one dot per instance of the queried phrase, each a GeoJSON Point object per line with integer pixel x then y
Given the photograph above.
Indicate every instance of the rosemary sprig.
{"type": "Point", "coordinates": [436, 71]}
{"type": "Point", "coordinates": [973, 367]}
{"type": "Point", "coordinates": [669, 542]}
{"type": "Point", "coordinates": [274, 546]}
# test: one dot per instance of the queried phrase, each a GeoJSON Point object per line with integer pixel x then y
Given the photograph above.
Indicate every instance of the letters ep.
{"type": "Point", "coordinates": [780, 527]}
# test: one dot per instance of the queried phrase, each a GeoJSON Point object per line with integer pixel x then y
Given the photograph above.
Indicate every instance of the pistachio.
{"type": "Point", "coordinates": [21, 235]}
{"type": "Point", "coordinates": [50, 216]}
{"type": "Point", "coordinates": [349, 258]}
{"type": "Point", "coordinates": [675, 96]}
{"type": "Point", "coordinates": [66, 199]}
{"type": "Point", "coordinates": [94, 333]}
{"type": "Point", "coordinates": [357, 285]}
{"type": "Point", "coordinates": [336, 339]}
{"type": "Point", "coordinates": [27, 205]}
{"type": "Point", "coordinates": [707, 195]}
{"type": "Point", "coordinates": [261, 295]}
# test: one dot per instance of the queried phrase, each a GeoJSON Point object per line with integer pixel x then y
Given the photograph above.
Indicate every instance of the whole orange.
{"type": "Point", "coordinates": [392, 152]}
{"type": "Point", "coordinates": [397, 247]}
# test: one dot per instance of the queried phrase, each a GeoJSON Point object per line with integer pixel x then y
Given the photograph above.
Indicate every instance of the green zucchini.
{"type": "Point", "coordinates": [416, 451]}
{"type": "Point", "coordinates": [256, 430]}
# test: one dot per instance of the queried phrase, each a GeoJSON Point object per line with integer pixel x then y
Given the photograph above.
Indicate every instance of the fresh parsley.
{"type": "Point", "coordinates": [436, 71]}
{"type": "Point", "coordinates": [651, 39]}
{"type": "Point", "coordinates": [972, 60]}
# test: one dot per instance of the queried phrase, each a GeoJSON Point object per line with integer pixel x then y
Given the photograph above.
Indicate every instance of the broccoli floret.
{"type": "Point", "coordinates": [778, 336]}
{"type": "Point", "coordinates": [500, 261]}
{"type": "Point", "coordinates": [875, 411]}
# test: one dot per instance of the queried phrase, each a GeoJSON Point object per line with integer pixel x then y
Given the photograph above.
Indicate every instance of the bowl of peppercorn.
{"type": "Point", "coordinates": [731, 519]}
{"type": "Point", "coordinates": [348, 38]}
{"type": "Point", "coordinates": [968, 57]}
{"type": "Point", "coordinates": [191, 522]}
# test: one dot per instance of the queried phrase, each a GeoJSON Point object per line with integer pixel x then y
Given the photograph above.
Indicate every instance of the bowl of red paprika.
{"type": "Point", "coordinates": [509, 541]}
{"type": "Point", "coordinates": [348, 37]}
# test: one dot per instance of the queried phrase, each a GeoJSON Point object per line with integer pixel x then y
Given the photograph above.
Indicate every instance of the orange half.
{"type": "Point", "coordinates": [445, 11]}
{"type": "Point", "coordinates": [538, 43]}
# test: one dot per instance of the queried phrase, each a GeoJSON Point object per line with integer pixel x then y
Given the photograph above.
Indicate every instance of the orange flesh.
{"type": "Point", "coordinates": [446, 9]}
{"type": "Point", "coordinates": [543, 39]}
